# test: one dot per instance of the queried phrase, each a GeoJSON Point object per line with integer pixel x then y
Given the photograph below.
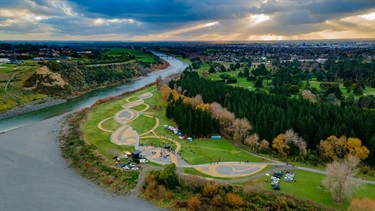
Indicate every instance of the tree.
{"type": "Point", "coordinates": [332, 147]}
{"type": "Point", "coordinates": [240, 128]}
{"type": "Point", "coordinates": [211, 70]}
{"type": "Point", "coordinates": [279, 144]}
{"type": "Point", "coordinates": [252, 141]}
{"type": "Point", "coordinates": [335, 148]}
{"type": "Point", "coordinates": [308, 95]}
{"type": "Point", "coordinates": [197, 100]}
{"type": "Point", "coordinates": [338, 180]}
{"type": "Point", "coordinates": [264, 145]}
{"type": "Point", "coordinates": [353, 146]}
{"type": "Point", "coordinates": [168, 176]}
{"type": "Point", "coordinates": [293, 89]}
{"type": "Point", "coordinates": [225, 117]}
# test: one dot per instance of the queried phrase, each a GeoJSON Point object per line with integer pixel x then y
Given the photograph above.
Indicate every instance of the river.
{"type": "Point", "coordinates": [86, 100]}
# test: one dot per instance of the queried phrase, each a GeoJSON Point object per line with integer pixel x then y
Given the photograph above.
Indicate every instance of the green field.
{"type": "Point", "coordinates": [306, 186]}
{"type": "Point", "coordinates": [4, 68]}
{"type": "Point", "coordinates": [140, 56]}
{"type": "Point", "coordinates": [100, 138]}
{"type": "Point", "coordinates": [205, 151]}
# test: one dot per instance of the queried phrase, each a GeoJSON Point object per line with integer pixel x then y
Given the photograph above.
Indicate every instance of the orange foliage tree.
{"type": "Point", "coordinates": [334, 148]}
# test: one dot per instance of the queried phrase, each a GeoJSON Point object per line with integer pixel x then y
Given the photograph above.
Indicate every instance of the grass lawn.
{"type": "Point", "coordinates": [99, 138]}
{"type": "Point", "coordinates": [142, 124]}
{"type": "Point", "coordinates": [111, 124]}
{"type": "Point", "coordinates": [140, 56]}
{"type": "Point", "coordinates": [4, 68]}
{"type": "Point", "coordinates": [139, 107]}
{"type": "Point", "coordinates": [306, 187]}
{"type": "Point", "coordinates": [204, 151]}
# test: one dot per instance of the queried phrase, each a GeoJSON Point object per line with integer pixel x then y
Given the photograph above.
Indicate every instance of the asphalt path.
{"type": "Point", "coordinates": [34, 176]}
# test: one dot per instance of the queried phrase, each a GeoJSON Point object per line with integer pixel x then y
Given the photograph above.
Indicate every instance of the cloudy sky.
{"type": "Point", "coordinates": [146, 20]}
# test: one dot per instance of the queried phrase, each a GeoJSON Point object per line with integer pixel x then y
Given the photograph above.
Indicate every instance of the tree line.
{"type": "Point", "coordinates": [271, 115]}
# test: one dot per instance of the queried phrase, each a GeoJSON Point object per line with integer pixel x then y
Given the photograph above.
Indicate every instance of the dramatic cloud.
{"type": "Point", "coordinates": [186, 19]}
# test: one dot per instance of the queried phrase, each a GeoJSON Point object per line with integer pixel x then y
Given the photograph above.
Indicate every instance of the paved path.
{"type": "Point", "coordinates": [126, 135]}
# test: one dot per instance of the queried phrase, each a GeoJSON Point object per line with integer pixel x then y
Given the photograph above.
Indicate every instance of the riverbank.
{"type": "Point", "coordinates": [30, 106]}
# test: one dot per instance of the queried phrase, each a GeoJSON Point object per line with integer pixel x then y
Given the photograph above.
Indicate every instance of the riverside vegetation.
{"type": "Point", "coordinates": [33, 82]}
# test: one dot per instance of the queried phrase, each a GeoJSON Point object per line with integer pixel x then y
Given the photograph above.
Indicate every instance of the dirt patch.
{"type": "Point", "coordinates": [48, 78]}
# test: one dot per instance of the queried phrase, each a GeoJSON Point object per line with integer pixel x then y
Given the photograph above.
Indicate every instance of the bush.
{"type": "Point", "coordinates": [234, 200]}
{"type": "Point", "coordinates": [193, 203]}
{"type": "Point", "coordinates": [210, 189]}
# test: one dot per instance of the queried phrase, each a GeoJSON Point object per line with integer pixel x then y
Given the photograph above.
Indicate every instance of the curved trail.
{"type": "Point", "coordinates": [127, 136]}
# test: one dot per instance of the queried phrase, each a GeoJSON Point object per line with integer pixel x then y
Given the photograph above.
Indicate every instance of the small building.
{"type": "Point", "coordinates": [136, 155]}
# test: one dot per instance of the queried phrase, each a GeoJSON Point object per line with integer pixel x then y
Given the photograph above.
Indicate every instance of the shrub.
{"type": "Point", "coordinates": [234, 200]}
{"type": "Point", "coordinates": [193, 203]}
{"type": "Point", "coordinates": [210, 189]}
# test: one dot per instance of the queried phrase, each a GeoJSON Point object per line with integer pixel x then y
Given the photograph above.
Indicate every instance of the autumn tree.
{"type": "Point", "coordinates": [252, 141]}
{"type": "Point", "coordinates": [225, 117]}
{"type": "Point", "coordinates": [338, 180]}
{"type": "Point", "coordinates": [292, 138]}
{"type": "Point", "coordinates": [197, 100]}
{"type": "Point", "coordinates": [334, 148]}
{"type": "Point", "coordinates": [264, 145]}
{"type": "Point", "coordinates": [353, 146]}
{"type": "Point", "coordinates": [165, 91]}
{"type": "Point", "coordinates": [364, 204]}
{"type": "Point", "coordinates": [308, 95]}
{"type": "Point", "coordinates": [240, 128]}
{"type": "Point", "coordinates": [279, 145]}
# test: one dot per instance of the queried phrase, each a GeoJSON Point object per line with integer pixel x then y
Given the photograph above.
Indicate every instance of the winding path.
{"type": "Point", "coordinates": [125, 135]}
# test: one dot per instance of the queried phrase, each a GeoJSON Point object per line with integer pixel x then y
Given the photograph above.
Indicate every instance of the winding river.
{"type": "Point", "coordinates": [34, 176]}
{"type": "Point", "coordinates": [88, 99]}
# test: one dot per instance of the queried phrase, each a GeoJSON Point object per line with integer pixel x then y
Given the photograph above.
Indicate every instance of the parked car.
{"type": "Point", "coordinates": [143, 160]}
{"type": "Point", "coordinates": [275, 187]}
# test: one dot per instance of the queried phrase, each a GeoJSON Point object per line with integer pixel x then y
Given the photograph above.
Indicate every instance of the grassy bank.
{"type": "Point", "coordinates": [84, 157]}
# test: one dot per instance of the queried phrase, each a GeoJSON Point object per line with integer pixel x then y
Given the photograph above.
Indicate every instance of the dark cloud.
{"type": "Point", "coordinates": [162, 11]}
{"type": "Point", "coordinates": [153, 17]}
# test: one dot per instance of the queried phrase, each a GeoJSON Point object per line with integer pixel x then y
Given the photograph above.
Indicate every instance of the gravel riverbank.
{"type": "Point", "coordinates": [32, 106]}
